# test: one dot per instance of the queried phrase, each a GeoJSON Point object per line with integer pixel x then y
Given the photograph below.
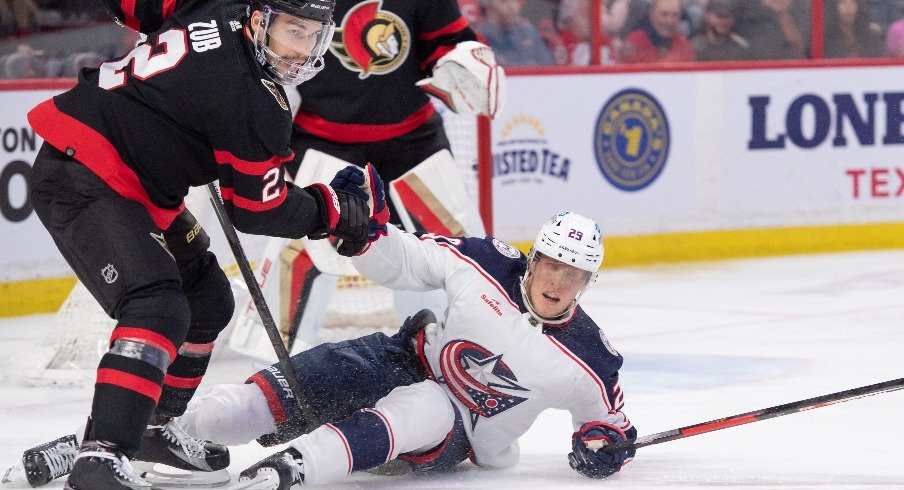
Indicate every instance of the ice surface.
{"type": "Point", "coordinates": [701, 341]}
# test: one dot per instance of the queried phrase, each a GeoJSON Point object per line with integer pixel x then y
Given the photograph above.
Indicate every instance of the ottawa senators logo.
{"type": "Point", "coordinates": [370, 40]}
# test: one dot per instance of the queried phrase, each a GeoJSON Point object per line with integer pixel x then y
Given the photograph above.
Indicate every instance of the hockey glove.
{"type": "Point", "coordinates": [368, 186]}
{"type": "Point", "coordinates": [344, 217]}
{"type": "Point", "coordinates": [468, 80]}
{"type": "Point", "coordinates": [585, 456]}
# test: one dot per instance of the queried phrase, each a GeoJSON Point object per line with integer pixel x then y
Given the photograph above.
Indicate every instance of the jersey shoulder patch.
{"type": "Point", "coordinates": [506, 249]}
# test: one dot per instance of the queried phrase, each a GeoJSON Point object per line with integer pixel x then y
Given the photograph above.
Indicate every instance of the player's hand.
{"type": "Point", "coordinates": [345, 216]}
{"type": "Point", "coordinates": [368, 186]}
{"type": "Point", "coordinates": [587, 459]}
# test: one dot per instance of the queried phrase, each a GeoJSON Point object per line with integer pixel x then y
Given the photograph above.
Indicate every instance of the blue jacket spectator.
{"type": "Point", "coordinates": [515, 41]}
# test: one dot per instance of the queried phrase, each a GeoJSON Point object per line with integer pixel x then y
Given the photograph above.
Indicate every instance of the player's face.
{"type": "Point", "coordinates": [847, 11]}
{"type": "Point", "coordinates": [554, 285]}
{"type": "Point", "coordinates": [292, 39]}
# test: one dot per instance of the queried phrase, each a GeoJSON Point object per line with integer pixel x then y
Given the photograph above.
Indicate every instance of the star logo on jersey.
{"type": "Point", "coordinates": [479, 379]}
{"type": "Point", "coordinates": [371, 41]}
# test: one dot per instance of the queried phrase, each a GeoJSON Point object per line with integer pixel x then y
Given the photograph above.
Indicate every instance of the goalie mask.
{"type": "Point", "coordinates": [291, 36]}
{"type": "Point", "coordinates": [563, 261]}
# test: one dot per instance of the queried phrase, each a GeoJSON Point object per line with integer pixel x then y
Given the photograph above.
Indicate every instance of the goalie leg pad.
{"type": "Point", "coordinates": [432, 197]}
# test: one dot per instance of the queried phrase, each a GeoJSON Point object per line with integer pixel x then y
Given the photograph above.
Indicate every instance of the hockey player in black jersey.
{"type": "Point", "coordinates": [201, 99]}
{"type": "Point", "coordinates": [371, 104]}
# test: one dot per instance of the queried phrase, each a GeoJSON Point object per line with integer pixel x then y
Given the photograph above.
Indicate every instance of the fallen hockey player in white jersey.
{"type": "Point", "coordinates": [513, 343]}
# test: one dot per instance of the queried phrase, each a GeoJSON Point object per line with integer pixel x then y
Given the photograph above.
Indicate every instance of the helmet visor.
{"type": "Point", "coordinates": [565, 278]}
{"type": "Point", "coordinates": [292, 47]}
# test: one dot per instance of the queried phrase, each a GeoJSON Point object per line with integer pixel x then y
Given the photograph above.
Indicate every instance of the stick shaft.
{"type": "Point", "coordinates": [285, 363]}
{"type": "Point", "coordinates": [756, 415]}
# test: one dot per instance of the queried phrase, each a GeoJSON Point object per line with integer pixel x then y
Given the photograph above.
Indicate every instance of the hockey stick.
{"type": "Point", "coordinates": [755, 416]}
{"type": "Point", "coordinates": [266, 317]}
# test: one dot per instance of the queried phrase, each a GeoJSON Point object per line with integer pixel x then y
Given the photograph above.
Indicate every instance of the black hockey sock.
{"type": "Point", "coordinates": [126, 392]}
{"type": "Point", "coordinates": [182, 379]}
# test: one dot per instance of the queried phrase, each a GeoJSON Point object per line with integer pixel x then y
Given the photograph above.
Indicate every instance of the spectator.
{"type": "Point", "coordinates": [26, 62]}
{"type": "Point", "coordinates": [514, 40]}
{"type": "Point", "coordinates": [634, 17]}
{"type": "Point", "coordinates": [22, 13]}
{"type": "Point", "coordinates": [471, 11]}
{"type": "Point", "coordinates": [848, 32]}
{"type": "Point", "coordinates": [659, 39]}
{"type": "Point", "coordinates": [575, 30]}
{"type": "Point", "coordinates": [7, 20]}
{"type": "Point", "coordinates": [775, 29]}
{"type": "Point", "coordinates": [692, 17]}
{"type": "Point", "coordinates": [881, 12]}
{"type": "Point", "coordinates": [894, 40]}
{"type": "Point", "coordinates": [718, 41]}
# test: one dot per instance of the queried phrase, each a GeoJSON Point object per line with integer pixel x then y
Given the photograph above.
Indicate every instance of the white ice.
{"type": "Point", "coordinates": [701, 341]}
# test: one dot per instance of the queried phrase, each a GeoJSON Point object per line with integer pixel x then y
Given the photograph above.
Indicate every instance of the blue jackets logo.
{"type": "Point", "coordinates": [523, 154]}
{"type": "Point", "coordinates": [631, 139]}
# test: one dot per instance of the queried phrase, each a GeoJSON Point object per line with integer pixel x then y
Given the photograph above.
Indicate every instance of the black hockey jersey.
{"type": "Point", "coordinates": [186, 107]}
{"type": "Point", "coordinates": [366, 91]}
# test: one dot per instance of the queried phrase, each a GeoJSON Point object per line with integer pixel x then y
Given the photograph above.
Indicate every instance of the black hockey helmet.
{"type": "Point", "coordinates": [321, 10]}
{"type": "Point", "coordinates": [292, 50]}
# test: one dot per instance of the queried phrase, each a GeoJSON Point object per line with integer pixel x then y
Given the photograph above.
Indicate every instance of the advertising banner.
{"type": "Point", "coordinates": [28, 251]}
{"type": "Point", "coordinates": [651, 153]}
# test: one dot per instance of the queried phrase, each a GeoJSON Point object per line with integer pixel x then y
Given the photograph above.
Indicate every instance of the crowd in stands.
{"type": "Point", "coordinates": [53, 38]}
{"type": "Point", "coordinates": [650, 31]}
{"type": "Point", "coordinates": [529, 32]}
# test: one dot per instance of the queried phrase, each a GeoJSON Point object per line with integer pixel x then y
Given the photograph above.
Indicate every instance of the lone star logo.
{"type": "Point", "coordinates": [475, 376]}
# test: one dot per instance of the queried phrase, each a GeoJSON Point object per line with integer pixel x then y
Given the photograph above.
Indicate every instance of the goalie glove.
{"type": "Point", "coordinates": [468, 80]}
{"type": "Point", "coordinates": [586, 457]}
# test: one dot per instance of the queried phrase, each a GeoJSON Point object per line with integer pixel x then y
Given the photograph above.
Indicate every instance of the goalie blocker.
{"type": "Point", "coordinates": [430, 197]}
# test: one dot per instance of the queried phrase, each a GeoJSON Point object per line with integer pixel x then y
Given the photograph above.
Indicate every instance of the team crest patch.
{"type": "Point", "coordinates": [607, 344]}
{"type": "Point", "coordinates": [276, 93]}
{"type": "Point", "coordinates": [479, 379]}
{"type": "Point", "coordinates": [371, 41]}
{"type": "Point", "coordinates": [631, 140]}
{"type": "Point", "coordinates": [506, 249]}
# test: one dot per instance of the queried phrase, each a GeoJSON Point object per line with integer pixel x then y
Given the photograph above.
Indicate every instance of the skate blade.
{"type": "Point", "coordinates": [15, 475]}
{"type": "Point", "coordinates": [263, 481]}
{"type": "Point", "coordinates": [176, 478]}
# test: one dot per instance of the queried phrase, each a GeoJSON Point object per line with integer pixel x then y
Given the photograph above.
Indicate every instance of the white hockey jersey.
{"type": "Point", "coordinates": [499, 367]}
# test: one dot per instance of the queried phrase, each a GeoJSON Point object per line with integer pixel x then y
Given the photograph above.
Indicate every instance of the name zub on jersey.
{"type": "Point", "coordinates": [204, 36]}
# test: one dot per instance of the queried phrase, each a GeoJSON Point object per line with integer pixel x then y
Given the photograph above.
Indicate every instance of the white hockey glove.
{"type": "Point", "coordinates": [468, 80]}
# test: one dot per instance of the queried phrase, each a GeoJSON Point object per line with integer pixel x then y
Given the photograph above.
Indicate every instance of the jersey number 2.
{"type": "Point", "coordinates": [145, 64]}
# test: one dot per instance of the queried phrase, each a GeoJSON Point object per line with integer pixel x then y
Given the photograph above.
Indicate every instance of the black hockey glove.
{"type": "Point", "coordinates": [367, 185]}
{"type": "Point", "coordinates": [345, 216]}
{"type": "Point", "coordinates": [585, 457]}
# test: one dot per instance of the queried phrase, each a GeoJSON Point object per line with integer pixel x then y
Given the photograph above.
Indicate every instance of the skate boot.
{"type": "Point", "coordinates": [277, 472]}
{"type": "Point", "coordinates": [42, 464]}
{"type": "Point", "coordinates": [102, 466]}
{"type": "Point", "coordinates": [168, 444]}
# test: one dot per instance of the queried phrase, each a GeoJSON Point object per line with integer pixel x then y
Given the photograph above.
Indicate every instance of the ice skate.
{"type": "Point", "coordinates": [278, 472]}
{"type": "Point", "coordinates": [167, 444]}
{"type": "Point", "coordinates": [102, 466]}
{"type": "Point", "coordinates": [42, 464]}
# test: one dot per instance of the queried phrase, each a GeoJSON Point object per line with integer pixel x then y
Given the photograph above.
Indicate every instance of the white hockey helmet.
{"type": "Point", "coordinates": [572, 239]}
{"type": "Point", "coordinates": [306, 29]}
